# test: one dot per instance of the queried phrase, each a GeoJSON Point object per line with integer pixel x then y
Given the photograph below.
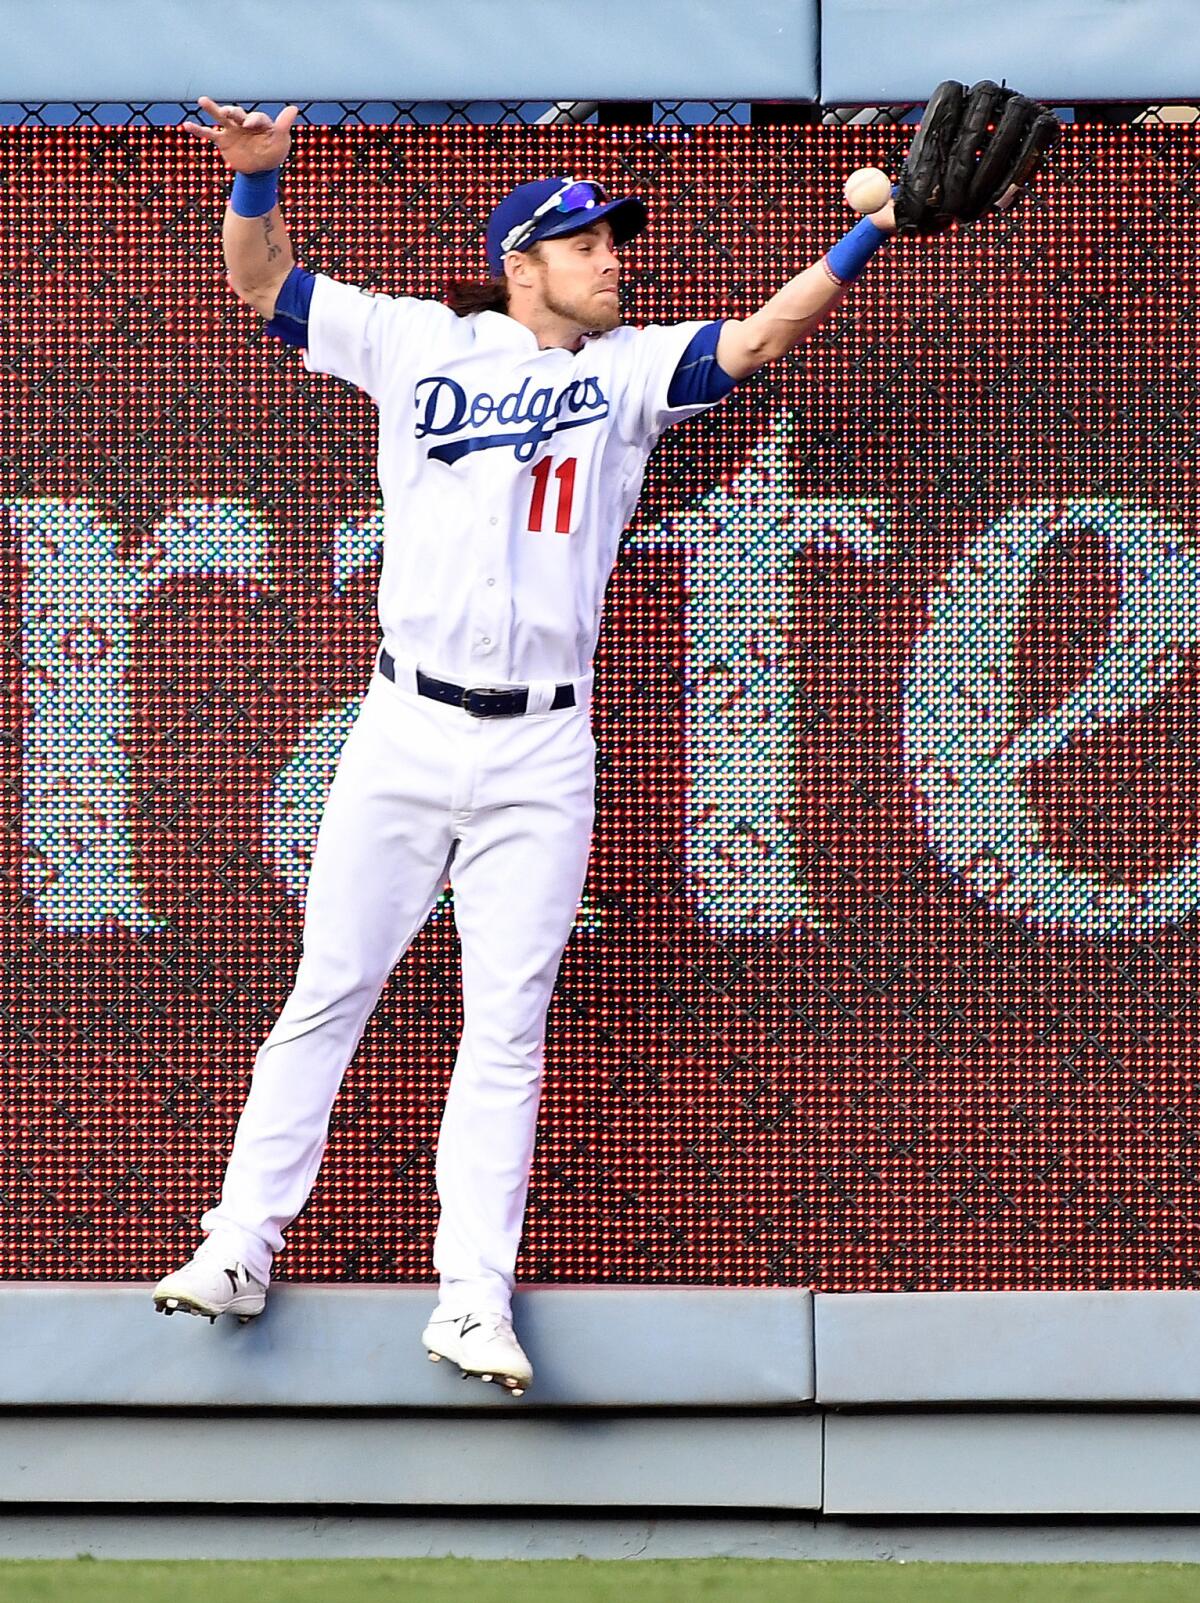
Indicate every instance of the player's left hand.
{"type": "Point", "coordinates": [249, 141]}
{"type": "Point", "coordinates": [975, 152]}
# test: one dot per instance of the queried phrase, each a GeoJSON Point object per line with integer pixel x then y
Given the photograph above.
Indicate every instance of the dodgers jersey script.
{"type": "Point", "coordinates": [508, 474]}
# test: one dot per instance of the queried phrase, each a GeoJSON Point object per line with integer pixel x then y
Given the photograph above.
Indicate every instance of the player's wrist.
{"type": "Point", "coordinates": [255, 194]}
{"type": "Point", "coordinates": [885, 218]}
{"type": "Point", "coordinates": [847, 260]}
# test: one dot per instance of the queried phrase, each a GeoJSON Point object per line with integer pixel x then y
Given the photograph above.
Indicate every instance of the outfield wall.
{"type": "Point", "coordinates": [1019, 1405]}
{"type": "Point", "coordinates": [836, 51]}
{"type": "Point", "coordinates": [885, 979]}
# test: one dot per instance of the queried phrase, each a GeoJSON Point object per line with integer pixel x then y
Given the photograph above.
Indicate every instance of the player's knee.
{"type": "Point", "coordinates": [329, 989]}
{"type": "Point", "coordinates": [514, 1055]}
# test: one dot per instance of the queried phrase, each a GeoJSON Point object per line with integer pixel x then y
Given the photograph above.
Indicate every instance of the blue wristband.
{"type": "Point", "coordinates": [255, 194]}
{"type": "Point", "coordinates": [854, 250]}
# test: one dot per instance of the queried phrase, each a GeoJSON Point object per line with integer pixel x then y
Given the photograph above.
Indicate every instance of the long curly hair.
{"type": "Point", "coordinates": [464, 297]}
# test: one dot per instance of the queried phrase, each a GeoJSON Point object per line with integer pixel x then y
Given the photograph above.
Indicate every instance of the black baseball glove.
{"type": "Point", "coordinates": [974, 152]}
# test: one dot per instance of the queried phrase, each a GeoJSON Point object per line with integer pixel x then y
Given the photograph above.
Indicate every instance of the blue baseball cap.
{"type": "Point", "coordinates": [551, 207]}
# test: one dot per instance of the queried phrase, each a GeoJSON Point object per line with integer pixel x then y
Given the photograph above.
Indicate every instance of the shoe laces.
{"type": "Point", "coordinates": [211, 1250]}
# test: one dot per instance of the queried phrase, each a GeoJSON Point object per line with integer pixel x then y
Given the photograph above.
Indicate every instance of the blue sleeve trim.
{"type": "Point", "coordinates": [290, 322]}
{"type": "Point", "coordinates": [699, 379]}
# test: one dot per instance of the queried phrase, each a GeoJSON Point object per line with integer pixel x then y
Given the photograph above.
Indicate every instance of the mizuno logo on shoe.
{"type": "Point", "coordinates": [233, 1279]}
{"type": "Point", "coordinates": [468, 1327]}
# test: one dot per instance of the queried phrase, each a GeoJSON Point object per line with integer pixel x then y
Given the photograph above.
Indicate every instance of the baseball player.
{"type": "Point", "coordinates": [514, 430]}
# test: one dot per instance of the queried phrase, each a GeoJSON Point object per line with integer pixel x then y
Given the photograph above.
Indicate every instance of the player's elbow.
{"type": "Point", "coordinates": [742, 348]}
{"type": "Point", "coordinates": [260, 296]}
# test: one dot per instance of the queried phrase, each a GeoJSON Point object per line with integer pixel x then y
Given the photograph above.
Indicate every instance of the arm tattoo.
{"type": "Point", "coordinates": [273, 250]}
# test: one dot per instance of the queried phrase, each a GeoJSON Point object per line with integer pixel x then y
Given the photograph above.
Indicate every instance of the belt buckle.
{"type": "Point", "coordinates": [477, 692]}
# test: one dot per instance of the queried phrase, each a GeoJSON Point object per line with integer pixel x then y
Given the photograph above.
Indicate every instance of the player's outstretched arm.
{"type": "Point", "coordinates": [803, 303]}
{"type": "Point", "coordinates": [974, 153]}
{"type": "Point", "coordinates": [258, 251]}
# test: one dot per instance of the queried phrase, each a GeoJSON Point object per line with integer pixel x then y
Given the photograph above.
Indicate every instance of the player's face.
{"type": "Point", "coordinates": [578, 278]}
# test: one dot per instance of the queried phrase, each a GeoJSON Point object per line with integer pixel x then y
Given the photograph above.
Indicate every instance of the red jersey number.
{"type": "Point", "coordinates": [565, 474]}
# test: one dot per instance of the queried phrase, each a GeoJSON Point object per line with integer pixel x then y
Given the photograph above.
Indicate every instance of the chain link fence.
{"type": "Point", "coordinates": [532, 113]}
{"type": "Point", "coordinates": [800, 1036]}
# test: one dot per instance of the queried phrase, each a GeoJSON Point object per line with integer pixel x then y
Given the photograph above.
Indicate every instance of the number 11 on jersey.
{"type": "Point", "coordinates": [565, 474]}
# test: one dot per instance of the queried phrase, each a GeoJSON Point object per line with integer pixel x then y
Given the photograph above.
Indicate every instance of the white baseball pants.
{"type": "Point", "coordinates": [423, 792]}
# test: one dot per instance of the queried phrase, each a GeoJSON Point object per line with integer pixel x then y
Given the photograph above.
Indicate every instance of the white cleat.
{"type": "Point", "coordinates": [210, 1284]}
{"type": "Point", "coordinates": [484, 1348]}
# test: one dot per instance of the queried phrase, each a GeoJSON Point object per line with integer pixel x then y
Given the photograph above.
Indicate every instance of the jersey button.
{"type": "Point", "coordinates": [493, 522]}
{"type": "Point", "coordinates": [491, 582]}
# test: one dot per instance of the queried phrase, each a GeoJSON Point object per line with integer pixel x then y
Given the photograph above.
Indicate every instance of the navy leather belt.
{"type": "Point", "coordinates": [480, 703]}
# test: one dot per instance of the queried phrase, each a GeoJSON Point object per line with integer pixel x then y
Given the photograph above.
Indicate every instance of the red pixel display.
{"type": "Point", "coordinates": [885, 976]}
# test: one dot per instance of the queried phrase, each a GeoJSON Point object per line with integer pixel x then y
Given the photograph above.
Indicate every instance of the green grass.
{"type": "Point", "coordinates": [588, 1581]}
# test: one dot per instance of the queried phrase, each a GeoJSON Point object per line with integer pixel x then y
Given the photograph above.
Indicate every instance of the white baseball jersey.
{"type": "Point", "coordinates": [508, 473]}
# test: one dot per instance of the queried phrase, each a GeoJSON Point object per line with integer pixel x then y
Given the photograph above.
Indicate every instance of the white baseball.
{"type": "Point", "coordinates": [867, 190]}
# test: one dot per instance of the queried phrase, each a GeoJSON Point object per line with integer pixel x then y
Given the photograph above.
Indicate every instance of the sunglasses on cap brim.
{"type": "Point", "coordinates": [579, 196]}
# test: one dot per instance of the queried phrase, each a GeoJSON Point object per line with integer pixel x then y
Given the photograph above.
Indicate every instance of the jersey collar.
{"type": "Point", "coordinates": [506, 333]}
